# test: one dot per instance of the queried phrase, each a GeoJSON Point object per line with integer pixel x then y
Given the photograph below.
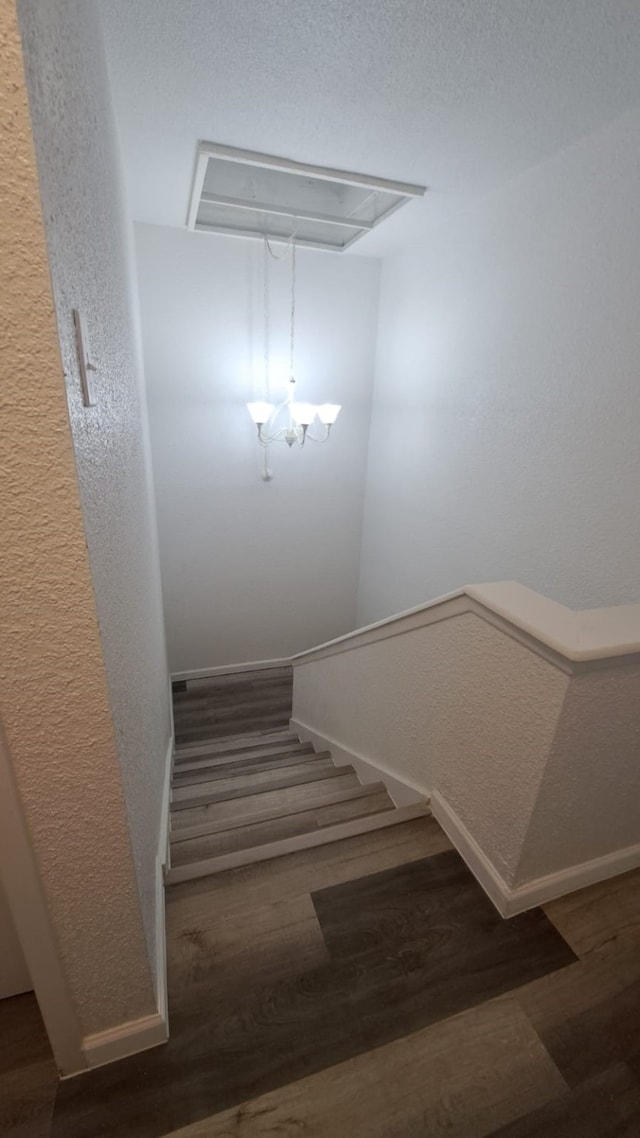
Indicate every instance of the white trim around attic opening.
{"type": "Point", "coordinates": [402, 191]}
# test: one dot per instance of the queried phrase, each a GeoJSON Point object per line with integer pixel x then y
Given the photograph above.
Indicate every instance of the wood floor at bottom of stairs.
{"type": "Point", "coordinates": [368, 989]}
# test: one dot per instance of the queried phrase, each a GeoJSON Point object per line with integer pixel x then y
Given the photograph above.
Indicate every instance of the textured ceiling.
{"type": "Point", "coordinates": [456, 94]}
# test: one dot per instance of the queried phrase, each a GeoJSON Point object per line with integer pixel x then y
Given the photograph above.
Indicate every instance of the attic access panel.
{"type": "Point", "coordinates": [247, 194]}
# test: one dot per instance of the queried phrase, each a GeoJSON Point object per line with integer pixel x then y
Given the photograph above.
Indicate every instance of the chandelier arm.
{"type": "Point", "coordinates": [293, 306]}
{"type": "Point", "coordinates": [319, 442]}
{"type": "Point", "coordinates": [279, 436]}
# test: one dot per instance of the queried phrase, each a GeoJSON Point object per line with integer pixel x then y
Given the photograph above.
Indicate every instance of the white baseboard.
{"type": "Point", "coordinates": [231, 669]}
{"type": "Point", "coordinates": [508, 900]}
{"type": "Point", "coordinates": [163, 865]}
{"type": "Point", "coordinates": [164, 845]}
{"type": "Point", "coordinates": [162, 995]}
{"type": "Point", "coordinates": [554, 885]}
{"type": "Point", "coordinates": [126, 1039]}
{"type": "Point", "coordinates": [482, 869]}
{"type": "Point", "coordinates": [402, 791]}
{"type": "Point", "coordinates": [136, 1035]}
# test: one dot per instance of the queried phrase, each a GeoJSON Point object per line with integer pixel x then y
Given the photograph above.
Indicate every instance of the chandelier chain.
{"type": "Point", "coordinates": [266, 318]}
{"type": "Point", "coordinates": [287, 247]}
{"type": "Point", "coordinates": [293, 307]}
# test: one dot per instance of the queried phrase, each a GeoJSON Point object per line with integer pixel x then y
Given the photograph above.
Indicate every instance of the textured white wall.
{"type": "Point", "coordinates": [592, 777]}
{"type": "Point", "coordinates": [505, 424]}
{"type": "Point", "coordinates": [53, 690]}
{"type": "Point", "coordinates": [91, 255]}
{"type": "Point", "coordinates": [457, 707]}
{"type": "Point", "coordinates": [252, 570]}
{"type": "Point", "coordinates": [539, 763]}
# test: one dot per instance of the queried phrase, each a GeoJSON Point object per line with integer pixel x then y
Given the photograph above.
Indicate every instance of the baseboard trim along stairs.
{"type": "Point", "coordinates": [246, 796]}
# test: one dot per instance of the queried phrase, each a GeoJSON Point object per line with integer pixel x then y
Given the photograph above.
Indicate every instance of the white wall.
{"type": "Point", "coordinates": [456, 707]}
{"type": "Point", "coordinates": [519, 717]}
{"type": "Point", "coordinates": [505, 425]}
{"type": "Point", "coordinates": [65, 851]}
{"type": "Point", "coordinates": [91, 255]}
{"type": "Point", "coordinates": [252, 570]}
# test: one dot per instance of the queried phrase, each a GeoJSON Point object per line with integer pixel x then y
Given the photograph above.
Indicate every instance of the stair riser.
{"type": "Point", "coordinates": [232, 727]}
{"type": "Point", "coordinates": [290, 825]}
{"type": "Point", "coordinates": [185, 833]}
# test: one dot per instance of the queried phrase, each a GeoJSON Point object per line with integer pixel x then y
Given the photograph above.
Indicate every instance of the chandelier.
{"type": "Point", "coordinates": [290, 421]}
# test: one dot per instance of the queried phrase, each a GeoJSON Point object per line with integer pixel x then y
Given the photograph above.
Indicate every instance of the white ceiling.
{"type": "Point", "coordinates": [456, 94]}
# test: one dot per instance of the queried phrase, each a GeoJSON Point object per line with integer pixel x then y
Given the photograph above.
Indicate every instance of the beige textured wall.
{"type": "Point", "coordinates": [90, 243]}
{"type": "Point", "coordinates": [53, 692]}
{"type": "Point", "coordinates": [457, 706]}
{"type": "Point", "coordinates": [14, 974]}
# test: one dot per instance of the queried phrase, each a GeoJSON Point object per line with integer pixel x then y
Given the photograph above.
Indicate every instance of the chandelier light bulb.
{"type": "Point", "coordinates": [303, 413]}
{"type": "Point", "coordinates": [260, 412]}
{"type": "Point", "coordinates": [328, 413]}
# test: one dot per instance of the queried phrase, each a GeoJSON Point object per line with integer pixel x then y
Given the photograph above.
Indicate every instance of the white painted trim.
{"type": "Point", "coordinates": [326, 173]}
{"type": "Point", "coordinates": [136, 1035]}
{"type": "Point", "coordinates": [231, 669]}
{"type": "Point", "coordinates": [199, 174]}
{"type": "Point", "coordinates": [284, 211]}
{"type": "Point", "coordinates": [511, 901]}
{"type": "Point", "coordinates": [126, 1039]}
{"type": "Point", "coordinates": [255, 235]}
{"type": "Point", "coordinates": [163, 865]}
{"type": "Point", "coordinates": [402, 791]}
{"type": "Point", "coordinates": [163, 837]}
{"type": "Point", "coordinates": [545, 889]}
{"type": "Point", "coordinates": [162, 994]}
{"type": "Point", "coordinates": [379, 630]}
{"type": "Point", "coordinates": [573, 641]}
{"type": "Point", "coordinates": [482, 869]}
{"type": "Point", "coordinates": [26, 897]}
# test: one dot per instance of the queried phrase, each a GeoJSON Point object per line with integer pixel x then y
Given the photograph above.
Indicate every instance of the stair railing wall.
{"type": "Point", "coordinates": [518, 717]}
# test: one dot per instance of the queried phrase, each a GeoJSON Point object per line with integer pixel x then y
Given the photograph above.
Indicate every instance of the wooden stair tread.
{"type": "Point", "coordinates": [239, 758]}
{"type": "Point", "coordinates": [185, 701]}
{"type": "Point", "coordinates": [237, 742]}
{"type": "Point", "coordinates": [286, 826]}
{"type": "Point", "coordinates": [307, 793]}
{"type": "Point", "coordinates": [209, 773]}
{"type": "Point", "coordinates": [194, 733]}
{"type": "Point", "coordinates": [186, 833]}
{"type": "Point", "coordinates": [246, 789]}
{"type": "Point", "coordinates": [290, 772]}
{"type": "Point", "coordinates": [289, 845]}
{"type": "Point", "coordinates": [283, 783]}
{"type": "Point", "coordinates": [232, 708]}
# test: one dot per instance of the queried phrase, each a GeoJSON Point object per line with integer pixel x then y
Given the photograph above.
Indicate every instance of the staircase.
{"type": "Point", "coordinates": [246, 789]}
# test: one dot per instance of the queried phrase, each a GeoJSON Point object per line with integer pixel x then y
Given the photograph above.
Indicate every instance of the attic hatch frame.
{"type": "Point", "coordinates": [381, 192]}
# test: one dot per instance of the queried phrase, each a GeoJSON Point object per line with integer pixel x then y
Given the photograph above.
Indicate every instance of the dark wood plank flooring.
{"type": "Point", "coordinates": [220, 706]}
{"type": "Point", "coordinates": [367, 988]}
